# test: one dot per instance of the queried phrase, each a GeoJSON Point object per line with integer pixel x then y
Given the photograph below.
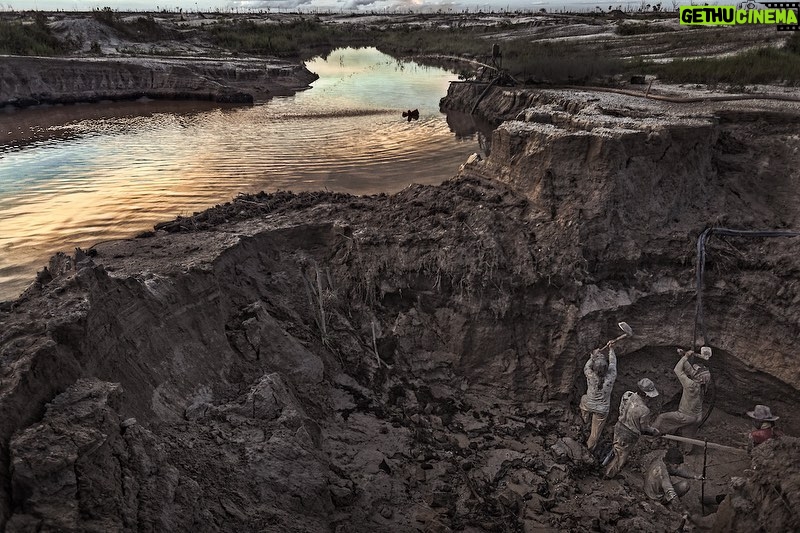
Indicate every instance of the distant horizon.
{"type": "Point", "coordinates": [329, 6]}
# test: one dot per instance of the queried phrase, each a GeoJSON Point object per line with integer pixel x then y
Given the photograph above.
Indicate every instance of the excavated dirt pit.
{"type": "Point", "coordinates": [325, 362]}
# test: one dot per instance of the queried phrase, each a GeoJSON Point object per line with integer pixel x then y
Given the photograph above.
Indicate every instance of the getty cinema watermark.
{"type": "Point", "coordinates": [784, 15]}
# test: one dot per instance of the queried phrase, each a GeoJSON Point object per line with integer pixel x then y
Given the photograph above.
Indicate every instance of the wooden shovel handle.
{"type": "Point", "coordinates": [609, 343]}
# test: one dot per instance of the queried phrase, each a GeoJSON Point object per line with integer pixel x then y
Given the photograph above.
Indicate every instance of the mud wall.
{"type": "Point", "coordinates": [635, 183]}
{"type": "Point", "coordinates": [30, 81]}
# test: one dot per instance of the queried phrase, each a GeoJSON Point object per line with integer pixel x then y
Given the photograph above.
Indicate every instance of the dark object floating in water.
{"type": "Point", "coordinates": [412, 115]}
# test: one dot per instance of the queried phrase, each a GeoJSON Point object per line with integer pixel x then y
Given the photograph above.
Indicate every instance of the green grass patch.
{"type": "Point", "coordinates": [522, 58]}
{"type": "Point", "coordinates": [299, 38]}
{"type": "Point", "coordinates": [642, 29]}
{"type": "Point", "coordinates": [30, 39]}
{"type": "Point", "coordinates": [145, 29]}
{"type": "Point", "coordinates": [140, 29]}
{"type": "Point", "coordinates": [793, 44]}
{"type": "Point", "coordinates": [762, 65]}
{"type": "Point", "coordinates": [558, 63]}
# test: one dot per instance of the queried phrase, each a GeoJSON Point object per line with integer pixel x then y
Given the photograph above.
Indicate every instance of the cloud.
{"type": "Point", "coordinates": [258, 5]}
{"type": "Point", "coordinates": [398, 5]}
{"type": "Point", "coordinates": [355, 4]}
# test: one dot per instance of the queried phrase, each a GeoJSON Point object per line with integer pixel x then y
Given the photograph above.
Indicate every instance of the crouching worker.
{"type": "Point", "coordinates": [634, 420]}
{"type": "Point", "coordinates": [658, 484]}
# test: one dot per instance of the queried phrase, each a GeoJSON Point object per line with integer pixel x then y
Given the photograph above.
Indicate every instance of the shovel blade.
{"type": "Point", "coordinates": [626, 328]}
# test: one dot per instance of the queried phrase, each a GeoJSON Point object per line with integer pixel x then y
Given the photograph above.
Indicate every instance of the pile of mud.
{"type": "Point", "coordinates": [325, 362]}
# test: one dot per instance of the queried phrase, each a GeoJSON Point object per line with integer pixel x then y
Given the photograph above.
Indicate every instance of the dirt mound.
{"type": "Point", "coordinates": [768, 494]}
{"type": "Point", "coordinates": [324, 362]}
{"type": "Point", "coordinates": [88, 32]}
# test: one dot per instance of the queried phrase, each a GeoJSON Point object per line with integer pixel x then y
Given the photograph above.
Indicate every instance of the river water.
{"type": "Point", "coordinates": [71, 176]}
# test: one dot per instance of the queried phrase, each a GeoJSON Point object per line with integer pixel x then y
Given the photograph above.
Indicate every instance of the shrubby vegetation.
{"type": "Point", "coordinates": [642, 29]}
{"type": "Point", "coordinates": [31, 39]}
{"type": "Point", "coordinates": [793, 44]}
{"type": "Point", "coordinates": [141, 29]}
{"type": "Point", "coordinates": [563, 62]}
{"type": "Point", "coordinates": [761, 65]}
{"type": "Point", "coordinates": [524, 59]}
{"type": "Point", "coordinates": [300, 38]}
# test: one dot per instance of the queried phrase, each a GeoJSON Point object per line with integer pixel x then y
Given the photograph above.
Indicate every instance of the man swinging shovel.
{"type": "Point", "coordinates": [600, 377]}
{"type": "Point", "coordinates": [627, 332]}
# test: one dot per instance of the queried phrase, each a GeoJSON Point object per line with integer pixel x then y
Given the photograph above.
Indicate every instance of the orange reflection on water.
{"type": "Point", "coordinates": [75, 175]}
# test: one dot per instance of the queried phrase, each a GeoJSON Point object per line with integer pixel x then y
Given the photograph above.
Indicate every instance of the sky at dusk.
{"type": "Point", "coordinates": [309, 5]}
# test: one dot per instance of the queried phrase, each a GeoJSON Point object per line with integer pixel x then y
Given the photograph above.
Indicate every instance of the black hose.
{"type": "Point", "coordinates": [700, 269]}
{"type": "Point", "coordinates": [701, 265]}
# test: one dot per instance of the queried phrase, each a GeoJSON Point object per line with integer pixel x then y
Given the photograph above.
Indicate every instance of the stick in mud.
{"type": "Point", "coordinates": [697, 442]}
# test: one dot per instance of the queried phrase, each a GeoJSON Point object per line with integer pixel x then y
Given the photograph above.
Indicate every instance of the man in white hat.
{"type": "Point", "coordinates": [600, 377]}
{"type": "Point", "coordinates": [694, 379]}
{"type": "Point", "coordinates": [765, 425]}
{"type": "Point", "coordinates": [634, 420]}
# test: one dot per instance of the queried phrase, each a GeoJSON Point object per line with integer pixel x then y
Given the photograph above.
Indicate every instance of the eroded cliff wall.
{"type": "Point", "coordinates": [29, 81]}
{"type": "Point", "coordinates": [634, 183]}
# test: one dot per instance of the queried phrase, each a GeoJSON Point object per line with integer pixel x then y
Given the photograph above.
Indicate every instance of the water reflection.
{"type": "Point", "coordinates": [37, 126]}
{"type": "Point", "coordinates": [74, 175]}
{"type": "Point", "coordinates": [466, 126]}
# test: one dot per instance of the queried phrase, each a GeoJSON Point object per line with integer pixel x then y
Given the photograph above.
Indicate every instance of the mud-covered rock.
{"type": "Point", "coordinates": [767, 496]}
{"type": "Point", "coordinates": [64, 473]}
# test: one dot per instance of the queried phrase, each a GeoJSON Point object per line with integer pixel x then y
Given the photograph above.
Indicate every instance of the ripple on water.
{"type": "Point", "coordinates": [73, 175]}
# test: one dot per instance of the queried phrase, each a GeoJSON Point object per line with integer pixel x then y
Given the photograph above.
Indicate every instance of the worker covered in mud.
{"type": "Point", "coordinates": [596, 403]}
{"type": "Point", "coordinates": [694, 379]}
{"type": "Point", "coordinates": [764, 422]}
{"type": "Point", "coordinates": [634, 421]}
{"type": "Point", "coordinates": [658, 483]}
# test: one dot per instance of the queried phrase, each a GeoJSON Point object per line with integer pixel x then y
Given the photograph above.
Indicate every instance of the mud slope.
{"type": "Point", "coordinates": [323, 362]}
{"type": "Point", "coordinates": [32, 81]}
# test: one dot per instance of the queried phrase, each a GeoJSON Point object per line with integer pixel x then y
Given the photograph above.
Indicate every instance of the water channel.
{"type": "Point", "coordinates": [75, 175]}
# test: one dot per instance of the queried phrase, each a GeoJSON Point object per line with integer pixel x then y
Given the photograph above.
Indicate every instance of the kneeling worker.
{"type": "Point", "coordinates": [657, 482]}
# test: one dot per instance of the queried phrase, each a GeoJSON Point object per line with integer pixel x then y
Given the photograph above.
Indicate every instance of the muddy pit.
{"type": "Point", "coordinates": [325, 362]}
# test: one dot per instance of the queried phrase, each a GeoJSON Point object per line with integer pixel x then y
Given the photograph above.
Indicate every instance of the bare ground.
{"type": "Point", "coordinates": [325, 362]}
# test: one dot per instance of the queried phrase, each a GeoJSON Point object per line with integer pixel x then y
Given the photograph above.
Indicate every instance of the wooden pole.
{"type": "Point", "coordinates": [703, 483]}
{"type": "Point", "coordinates": [711, 445]}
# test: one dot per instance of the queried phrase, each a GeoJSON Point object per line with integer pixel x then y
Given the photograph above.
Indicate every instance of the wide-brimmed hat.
{"type": "Point", "coordinates": [705, 353]}
{"type": "Point", "coordinates": [647, 386]}
{"type": "Point", "coordinates": [762, 412]}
